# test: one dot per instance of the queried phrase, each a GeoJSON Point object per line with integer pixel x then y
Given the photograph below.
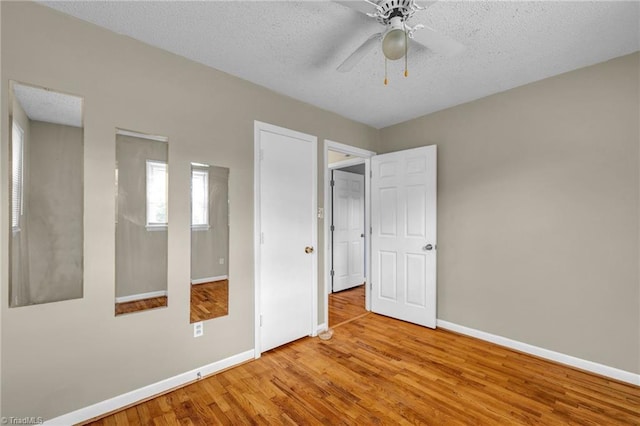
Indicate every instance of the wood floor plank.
{"type": "Point", "coordinates": [141, 305]}
{"type": "Point", "coordinates": [209, 300]}
{"type": "Point", "coordinates": [380, 371]}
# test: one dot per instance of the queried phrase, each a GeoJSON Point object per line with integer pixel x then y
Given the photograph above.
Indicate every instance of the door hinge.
{"type": "Point", "coordinates": [333, 272]}
{"type": "Point", "coordinates": [260, 320]}
{"type": "Point", "coordinates": [371, 230]}
{"type": "Point", "coordinates": [333, 228]}
{"type": "Point", "coordinates": [371, 173]}
{"type": "Point", "coordinates": [262, 238]}
{"type": "Point", "coordinates": [261, 154]}
{"type": "Point", "coordinates": [333, 182]}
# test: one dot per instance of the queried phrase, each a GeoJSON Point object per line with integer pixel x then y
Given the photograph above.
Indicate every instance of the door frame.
{"type": "Point", "coordinates": [366, 156]}
{"type": "Point", "coordinates": [257, 229]}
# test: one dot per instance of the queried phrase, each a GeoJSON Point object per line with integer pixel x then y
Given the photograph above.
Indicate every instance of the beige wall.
{"type": "Point", "coordinates": [538, 211]}
{"type": "Point", "coordinates": [4, 230]}
{"type": "Point", "coordinates": [62, 356]}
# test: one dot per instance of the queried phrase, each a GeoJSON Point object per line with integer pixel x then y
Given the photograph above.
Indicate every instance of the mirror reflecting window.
{"type": "Point", "coordinates": [209, 242]}
{"type": "Point", "coordinates": [46, 145]}
{"type": "Point", "coordinates": [142, 177]}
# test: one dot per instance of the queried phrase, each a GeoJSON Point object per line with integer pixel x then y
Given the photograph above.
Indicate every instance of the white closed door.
{"type": "Point", "coordinates": [286, 258]}
{"type": "Point", "coordinates": [403, 240]}
{"type": "Point", "coordinates": [348, 230]}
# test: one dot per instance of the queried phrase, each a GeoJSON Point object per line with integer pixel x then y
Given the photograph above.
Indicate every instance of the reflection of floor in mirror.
{"type": "Point", "coordinates": [346, 305]}
{"type": "Point", "coordinates": [141, 305]}
{"type": "Point", "coordinates": [209, 300]}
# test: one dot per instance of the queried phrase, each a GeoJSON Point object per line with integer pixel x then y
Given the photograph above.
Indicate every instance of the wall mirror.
{"type": "Point", "coordinates": [141, 178]}
{"type": "Point", "coordinates": [46, 156]}
{"type": "Point", "coordinates": [209, 242]}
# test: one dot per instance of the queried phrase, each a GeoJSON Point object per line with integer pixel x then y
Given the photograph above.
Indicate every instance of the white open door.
{"type": "Point", "coordinates": [286, 265]}
{"type": "Point", "coordinates": [403, 240]}
{"type": "Point", "coordinates": [348, 230]}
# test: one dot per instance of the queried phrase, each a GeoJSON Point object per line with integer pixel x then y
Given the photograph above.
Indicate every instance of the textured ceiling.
{"type": "Point", "coordinates": [294, 47]}
{"type": "Point", "coordinates": [49, 106]}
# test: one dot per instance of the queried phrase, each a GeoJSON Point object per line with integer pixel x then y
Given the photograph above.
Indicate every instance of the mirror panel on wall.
{"type": "Point", "coordinates": [46, 156]}
{"type": "Point", "coordinates": [209, 242]}
{"type": "Point", "coordinates": [142, 220]}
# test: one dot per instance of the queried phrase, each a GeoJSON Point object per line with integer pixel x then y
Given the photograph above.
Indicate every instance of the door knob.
{"type": "Point", "coordinates": [308, 249]}
{"type": "Point", "coordinates": [428, 247]}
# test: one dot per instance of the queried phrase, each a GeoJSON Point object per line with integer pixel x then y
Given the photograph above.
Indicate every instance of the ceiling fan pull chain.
{"type": "Point", "coordinates": [406, 52]}
{"type": "Point", "coordinates": [385, 72]}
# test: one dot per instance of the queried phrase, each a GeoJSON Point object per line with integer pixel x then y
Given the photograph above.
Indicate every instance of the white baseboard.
{"type": "Point", "coordinates": [209, 279]}
{"type": "Point", "coordinates": [582, 364]}
{"type": "Point", "coordinates": [154, 389]}
{"type": "Point", "coordinates": [141, 296]}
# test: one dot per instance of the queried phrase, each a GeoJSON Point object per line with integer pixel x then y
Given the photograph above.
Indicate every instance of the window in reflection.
{"type": "Point", "coordinates": [17, 155]}
{"type": "Point", "coordinates": [200, 198]}
{"type": "Point", "coordinates": [157, 178]}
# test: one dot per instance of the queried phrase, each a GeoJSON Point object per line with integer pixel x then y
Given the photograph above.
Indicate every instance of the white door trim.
{"type": "Point", "coordinates": [258, 127]}
{"type": "Point", "coordinates": [366, 155]}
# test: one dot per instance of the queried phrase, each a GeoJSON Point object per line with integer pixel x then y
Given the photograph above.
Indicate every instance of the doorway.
{"type": "Point", "coordinates": [400, 241]}
{"type": "Point", "coordinates": [400, 231]}
{"type": "Point", "coordinates": [346, 236]}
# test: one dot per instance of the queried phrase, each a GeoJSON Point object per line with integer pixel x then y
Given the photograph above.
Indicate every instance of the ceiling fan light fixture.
{"type": "Point", "coordinates": [394, 44]}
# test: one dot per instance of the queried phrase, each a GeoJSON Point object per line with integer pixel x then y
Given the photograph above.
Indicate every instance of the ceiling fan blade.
{"type": "Point", "coordinates": [437, 42]}
{"type": "Point", "coordinates": [425, 4]}
{"type": "Point", "coordinates": [362, 6]}
{"type": "Point", "coordinates": [360, 53]}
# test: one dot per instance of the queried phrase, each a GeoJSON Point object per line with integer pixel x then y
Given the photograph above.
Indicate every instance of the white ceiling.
{"type": "Point", "coordinates": [46, 105]}
{"type": "Point", "coordinates": [294, 47]}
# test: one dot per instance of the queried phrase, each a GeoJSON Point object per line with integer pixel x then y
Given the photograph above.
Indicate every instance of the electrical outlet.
{"type": "Point", "coordinates": [221, 261]}
{"type": "Point", "coordinates": [198, 329]}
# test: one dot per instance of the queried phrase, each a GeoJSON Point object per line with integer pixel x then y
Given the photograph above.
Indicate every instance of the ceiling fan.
{"type": "Point", "coordinates": [398, 34]}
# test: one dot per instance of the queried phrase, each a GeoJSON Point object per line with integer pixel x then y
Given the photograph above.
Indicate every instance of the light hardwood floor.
{"type": "Point", "coordinates": [346, 305]}
{"type": "Point", "coordinates": [376, 370]}
{"type": "Point", "coordinates": [141, 305]}
{"type": "Point", "coordinates": [209, 300]}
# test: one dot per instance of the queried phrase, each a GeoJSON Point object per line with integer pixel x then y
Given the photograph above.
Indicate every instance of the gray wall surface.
{"type": "Point", "coordinates": [209, 246]}
{"type": "Point", "coordinates": [59, 357]}
{"type": "Point", "coordinates": [54, 212]}
{"type": "Point", "coordinates": [538, 214]}
{"type": "Point", "coordinates": [358, 169]}
{"type": "Point", "coordinates": [141, 254]}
